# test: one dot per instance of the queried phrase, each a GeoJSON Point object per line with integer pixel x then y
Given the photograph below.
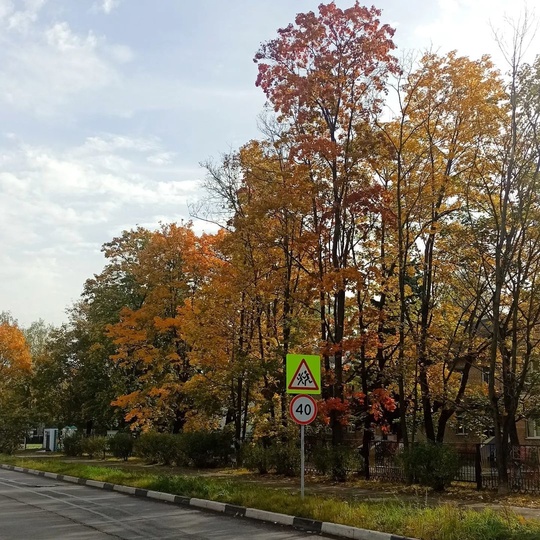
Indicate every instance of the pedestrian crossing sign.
{"type": "Point", "coordinates": [303, 374]}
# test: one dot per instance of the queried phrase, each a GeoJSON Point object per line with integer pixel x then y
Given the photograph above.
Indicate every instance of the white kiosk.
{"type": "Point", "coordinates": [50, 439]}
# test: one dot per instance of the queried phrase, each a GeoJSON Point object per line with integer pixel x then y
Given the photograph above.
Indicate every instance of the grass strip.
{"type": "Point", "coordinates": [445, 522]}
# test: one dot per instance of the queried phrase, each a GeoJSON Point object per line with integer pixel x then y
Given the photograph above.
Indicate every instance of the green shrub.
{"type": "Point", "coordinates": [285, 458]}
{"type": "Point", "coordinates": [147, 447]}
{"type": "Point", "coordinates": [338, 461]}
{"type": "Point", "coordinates": [162, 448]}
{"type": "Point", "coordinates": [121, 445]}
{"type": "Point", "coordinates": [430, 464]}
{"type": "Point", "coordinates": [207, 448]}
{"type": "Point", "coordinates": [170, 449]}
{"type": "Point", "coordinates": [199, 449]}
{"type": "Point", "coordinates": [256, 457]}
{"type": "Point", "coordinates": [281, 457]}
{"type": "Point", "coordinates": [11, 439]}
{"type": "Point", "coordinates": [13, 427]}
{"type": "Point", "coordinates": [321, 458]}
{"type": "Point", "coordinates": [73, 445]}
{"type": "Point", "coordinates": [94, 446]}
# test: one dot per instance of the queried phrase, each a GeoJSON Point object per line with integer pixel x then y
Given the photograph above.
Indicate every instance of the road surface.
{"type": "Point", "coordinates": [34, 507]}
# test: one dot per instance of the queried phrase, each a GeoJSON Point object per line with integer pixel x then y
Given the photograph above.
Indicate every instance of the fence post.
{"type": "Point", "coordinates": [478, 466]}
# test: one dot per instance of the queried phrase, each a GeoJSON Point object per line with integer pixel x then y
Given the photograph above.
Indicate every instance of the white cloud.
{"type": "Point", "coordinates": [163, 158]}
{"type": "Point", "coordinates": [22, 20]}
{"type": "Point", "coordinates": [52, 69]}
{"type": "Point", "coordinates": [61, 37]}
{"type": "Point", "coordinates": [469, 25]}
{"type": "Point", "coordinates": [97, 170]}
{"type": "Point", "coordinates": [6, 8]}
{"type": "Point", "coordinates": [121, 53]}
{"type": "Point", "coordinates": [108, 5]}
{"type": "Point", "coordinates": [59, 205]}
{"type": "Point", "coordinates": [10, 184]}
{"type": "Point", "coordinates": [110, 143]}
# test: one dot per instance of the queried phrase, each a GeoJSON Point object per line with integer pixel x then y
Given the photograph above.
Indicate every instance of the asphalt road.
{"type": "Point", "coordinates": [43, 509]}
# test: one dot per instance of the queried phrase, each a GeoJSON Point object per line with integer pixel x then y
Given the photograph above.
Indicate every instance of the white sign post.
{"type": "Point", "coordinates": [303, 410]}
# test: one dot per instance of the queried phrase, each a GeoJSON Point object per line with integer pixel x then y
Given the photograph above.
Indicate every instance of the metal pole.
{"type": "Point", "coordinates": [302, 461]}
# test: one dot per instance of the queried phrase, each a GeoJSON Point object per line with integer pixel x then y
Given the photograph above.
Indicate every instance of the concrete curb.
{"type": "Point", "coordinates": [303, 524]}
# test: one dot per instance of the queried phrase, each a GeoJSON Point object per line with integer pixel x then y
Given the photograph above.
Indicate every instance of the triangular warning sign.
{"type": "Point", "coordinates": [303, 379]}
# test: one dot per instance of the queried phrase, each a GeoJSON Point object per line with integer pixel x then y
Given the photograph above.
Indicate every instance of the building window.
{"type": "Point", "coordinates": [461, 428]}
{"type": "Point", "coordinates": [485, 374]}
{"type": "Point", "coordinates": [533, 428]}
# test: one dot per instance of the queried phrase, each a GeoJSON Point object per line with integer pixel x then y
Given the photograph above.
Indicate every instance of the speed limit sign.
{"type": "Point", "coordinates": [303, 409]}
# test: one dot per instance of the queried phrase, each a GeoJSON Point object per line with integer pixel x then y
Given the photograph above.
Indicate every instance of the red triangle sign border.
{"type": "Point", "coordinates": [304, 364]}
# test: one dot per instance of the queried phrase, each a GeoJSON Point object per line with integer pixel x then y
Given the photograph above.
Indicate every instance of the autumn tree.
{"type": "Point", "coordinates": [147, 338]}
{"type": "Point", "coordinates": [15, 359]}
{"type": "Point", "coordinates": [505, 218]}
{"type": "Point", "coordinates": [266, 246]}
{"type": "Point", "coordinates": [219, 323]}
{"type": "Point", "coordinates": [51, 390]}
{"type": "Point", "coordinates": [75, 379]}
{"type": "Point", "coordinates": [117, 286]}
{"type": "Point", "coordinates": [448, 115]}
{"type": "Point", "coordinates": [6, 317]}
{"type": "Point", "coordinates": [36, 336]}
{"type": "Point", "coordinates": [15, 371]}
{"type": "Point", "coordinates": [325, 77]}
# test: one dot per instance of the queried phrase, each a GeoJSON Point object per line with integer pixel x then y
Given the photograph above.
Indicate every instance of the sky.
{"type": "Point", "coordinates": [108, 108]}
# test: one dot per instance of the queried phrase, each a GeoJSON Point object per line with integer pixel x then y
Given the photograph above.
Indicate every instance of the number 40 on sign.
{"type": "Point", "coordinates": [303, 409]}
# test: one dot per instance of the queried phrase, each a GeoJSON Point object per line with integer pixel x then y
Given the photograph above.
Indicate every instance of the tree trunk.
{"type": "Point", "coordinates": [366, 443]}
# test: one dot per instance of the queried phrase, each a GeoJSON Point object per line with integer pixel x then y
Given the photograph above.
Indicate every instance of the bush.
{"type": "Point", "coordinates": [430, 464]}
{"type": "Point", "coordinates": [256, 457]}
{"type": "Point", "coordinates": [282, 457]}
{"type": "Point", "coordinates": [208, 448]}
{"type": "Point", "coordinates": [170, 450]}
{"type": "Point", "coordinates": [121, 445]}
{"type": "Point", "coordinates": [338, 461]}
{"type": "Point", "coordinates": [94, 446]}
{"type": "Point", "coordinates": [13, 427]}
{"type": "Point", "coordinates": [11, 439]}
{"type": "Point", "coordinates": [73, 445]}
{"type": "Point", "coordinates": [285, 458]}
{"type": "Point", "coordinates": [147, 447]}
{"type": "Point", "coordinates": [199, 449]}
{"type": "Point", "coordinates": [162, 448]}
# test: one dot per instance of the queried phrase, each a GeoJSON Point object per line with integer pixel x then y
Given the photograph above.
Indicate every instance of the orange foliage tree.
{"type": "Point", "coordinates": [148, 340]}
{"type": "Point", "coordinates": [325, 77]}
{"type": "Point", "coordinates": [437, 145]}
{"type": "Point", "coordinates": [15, 370]}
{"type": "Point", "coordinates": [15, 359]}
{"type": "Point", "coordinates": [265, 248]}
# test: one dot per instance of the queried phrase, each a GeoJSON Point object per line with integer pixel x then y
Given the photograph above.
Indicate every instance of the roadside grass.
{"type": "Point", "coordinates": [444, 522]}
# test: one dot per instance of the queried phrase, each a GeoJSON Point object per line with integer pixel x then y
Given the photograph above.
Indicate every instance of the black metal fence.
{"type": "Point", "coordinates": [477, 465]}
{"type": "Point", "coordinates": [385, 461]}
{"type": "Point", "coordinates": [467, 463]}
{"type": "Point", "coordinates": [34, 439]}
{"type": "Point", "coordinates": [525, 469]}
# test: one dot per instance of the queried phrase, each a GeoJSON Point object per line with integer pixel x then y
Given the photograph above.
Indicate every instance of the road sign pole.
{"type": "Point", "coordinates": [302, 461]}
{"type": "Point", "coordinates": [303, 377]}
